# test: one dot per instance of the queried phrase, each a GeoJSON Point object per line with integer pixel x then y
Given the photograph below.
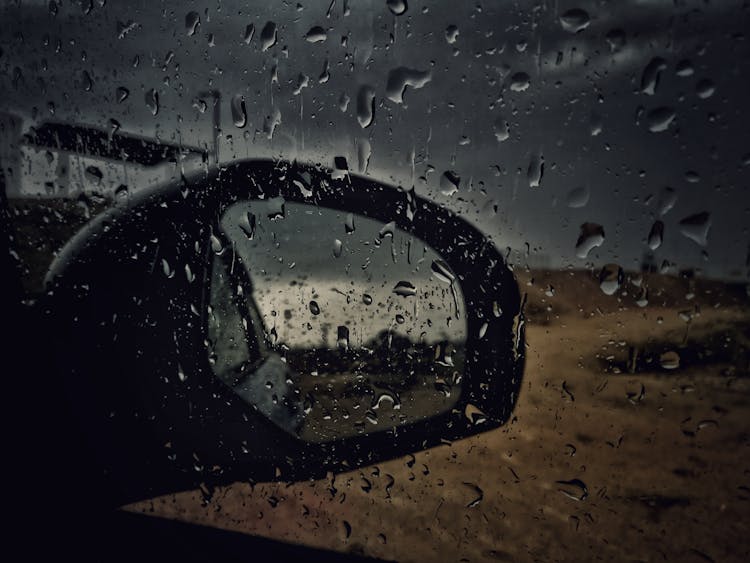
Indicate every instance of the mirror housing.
{"type": "Point", "coordinates": [125, 310]}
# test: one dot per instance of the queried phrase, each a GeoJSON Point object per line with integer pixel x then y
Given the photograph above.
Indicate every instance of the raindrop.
{"type": "Point", "coordinates": [276, 208]}
{"type": "Point", "coordinates": [404, 289]}
{"type": "Point", "coordinates": [247, 225]}
{"type": "Point", "coordinates": [705, 89]}
{"type": "Point", "coordinates": [366, 299]}
{"type": "Point", "coordinates": [695, 227]}
{"type": "Point", "coordinates": [86, 81]}
{"type": "Point", "coordinates": [365, 106]}
{"type": "Point", "coordinates": [659, 119]}
{"type": "Point", "coordinates": [349, 223]}
{"type": "Point", "coordinates": [651, 74]}
{"type": "Point", "coordinates": [442, 272]}
{"type": "Point", "coordinates": [684, 68]}
{"type": "Point", "coordinates": [364, 152]}
{"type": "Point", "coordinates": [449, 182]}
{"type": "Point", "coordinates": [268, 36]}
{"type": "Point", "coordinates": [387, 230]}
{"type": "Point", "coordinates": [474, 414]}
{"type": "Point", "coordinates": [122, 94]}
{"type": "Point", "coordinates": [271, 122]}
{"type": "Point", "coordinates": [189, 275]}
{"type": "Point", "coordinates": [519, 82]}
{"type": "Point", "coordinates": [478, 492]}
{"type": "Point", "coordinates": [249, 33]}
{"type": "Point", "coordinates": [152, 101]}
{"type": "Point", "coordinates": [451, 34]}
{"type": "Point", "coordinates": [574, 489]}
{"type": "Point", "coordinates": [314, 308]}
{"type": "Point", "coordinates": [575, 20]}
{"type": "Point", "coordinates": [401, 77]}
{"type": "Point", "coordinates": [93, 174]}
{"type": "Point", "coordinates": [338, 248]}
{"type": "Point", "coordinates": [616, 40]}
{"type": "Point", "coordinates": [192, 21]}
{"type": "Point", "coordinates": [400, 319]}
{"type": "Point", "coordinates": [502, 129]}
{"type": "Point", "coordinates": [667, 200]}
{"type": "Point", "coordinates": [302, 81]}
{"type": "Point", "coordinates": [656, 236]}
{"type": "Point", "coordinates": [343, 102]}
{"type": "Point", "coordinates": [596, 125]}
{"type": "Point", "coordinates": [168, 271]}
{"type": "Point", "coordinates": [611, 277]}
{"type": "Point", "coordinates": [669, 360]}
{"type": "Point", "coordinates": [578, 197]}
{"type": "Point", "coordinates": [342, 337]}
{"type": "Point", "coordinates": [397, 7]}
{"type": "Point", "coordinates": [316, 35]}
{"type": "Point", "coordinates": [216, 245]}
{"type": "Point", "coordinates": [535, 171]}
{"type": "Point", "coordinates": [591, 236]}
{"type": "Point", "coordinates": [239, 114]}
{"type": "Point", "coordinates": [483, 330]}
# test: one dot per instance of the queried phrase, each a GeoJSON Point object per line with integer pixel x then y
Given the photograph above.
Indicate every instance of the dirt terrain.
{"type": "Point", "coordinates": [614, 453]}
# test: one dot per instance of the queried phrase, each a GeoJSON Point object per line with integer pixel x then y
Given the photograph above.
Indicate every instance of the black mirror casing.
{"type": "Point", "coordinates": [127, 322]}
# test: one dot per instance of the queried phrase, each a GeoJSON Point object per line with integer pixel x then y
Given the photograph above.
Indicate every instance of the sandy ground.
{"type": "Point", "coordinates": [664, 455]}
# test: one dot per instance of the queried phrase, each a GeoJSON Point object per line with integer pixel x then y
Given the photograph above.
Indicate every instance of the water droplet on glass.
{"type": "Point", "coordinates": [705, 88]}
{"type": "Point", "coordinates": [316, 34]}
{"type": "Point", "coordinates": [166, 268]}
{"type": "Point", "coordinates": [342, 337]}
{"type": "Point", "coordinates": [365, 106]}
{"type": "Point", "coordinates": [575, 20]}
{"type": "Point", "coordinates": [616, 39]}
{"type": "Point", "coordinates": [684, 68]}
{"type": "Point", "coordinates": [314, 308]}
{"type": "Point", "coordinates": [578, 197]}
{"type": "Point", "coordinates": [364, 152]}
{"type": "Point", "coordinates": [667, 200]}
{"type": "Point", "coordinates": [401, 77]}
{"type": "Point", "coordinates": [249, 33]}
{"type": "Point", "coordinates": [349, 223]}
{"type": "Point", "coordinates": [451, 34]}
{"type": "Point", "coordinates": [651, 75]}
{"type": "Point", "coordinates": [405, 289]}
{"type": "Point", "coordinates": [502, 129]}
{"type": "Point", "coordinates": [338, 248]}
{"type": "Point", "coordinates": [659, 119]}
{"type": "Point", "coordinates": [122, 94]}
{"type": "Point", "coordinates": [656, 236]}
{"type": "Point", "coordinates": [449, 182]}
{"type": "Point", "coordinates": [695, 227]}
{"type": "Point", "coordinates": [239, 114]}
{"type": "Point", "coordinates": [669, 360]}
{"type": "Point", "coordinates": [216, 245]}
{"type": "Point", "coordinates": [247, 225]}
{"type": "Point", "coordinates": [611, 277]}
{"type": "Point", "coordinates": [591, 235]}
{"type": "Point", "coordinates": [268, 36]}
{"type": "Point", "coordinates": [535, 171]}
{"type": "Point", "coordinates": [271, 122]}
{"type": "Point", "coordinates": [520, 81]}
{"type": "Point", "coordinates": [192, 21]}
{"type": "Point", "coordinates": [387, 230]}
{"type": "Point", "coordinates": [574, 489]}
{"type": "Point", "coordinates": [152, 101]}
{"type": "Point", "coordinates": [397, 7]}
{"type": "Point", "coordinates": [366, 299]}
{"type": "Point", "coordinates": [189, 275]}
{"type": "Point", "coordinates": [442, 272]}
{"type": "Point", "coordinates": [474, 414]}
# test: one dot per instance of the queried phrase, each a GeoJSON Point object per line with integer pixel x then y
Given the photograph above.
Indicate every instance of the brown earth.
{"type": "Point", "coordinates": [664, 455]}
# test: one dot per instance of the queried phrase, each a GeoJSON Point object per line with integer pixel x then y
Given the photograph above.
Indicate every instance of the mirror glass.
{"type": "Point", "coordinates": [332, 324]}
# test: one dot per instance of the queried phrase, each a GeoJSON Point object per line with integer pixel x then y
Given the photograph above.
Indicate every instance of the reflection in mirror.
{"type": "Point", "coordinates": [361, 324]}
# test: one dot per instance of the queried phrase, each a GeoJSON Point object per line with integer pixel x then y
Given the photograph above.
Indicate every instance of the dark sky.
{"type": "Point", "coordinates": [578, 84]}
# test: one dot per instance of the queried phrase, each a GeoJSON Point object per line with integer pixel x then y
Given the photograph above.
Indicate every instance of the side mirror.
{"type": "Point", "coordinates": [275, 321]}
